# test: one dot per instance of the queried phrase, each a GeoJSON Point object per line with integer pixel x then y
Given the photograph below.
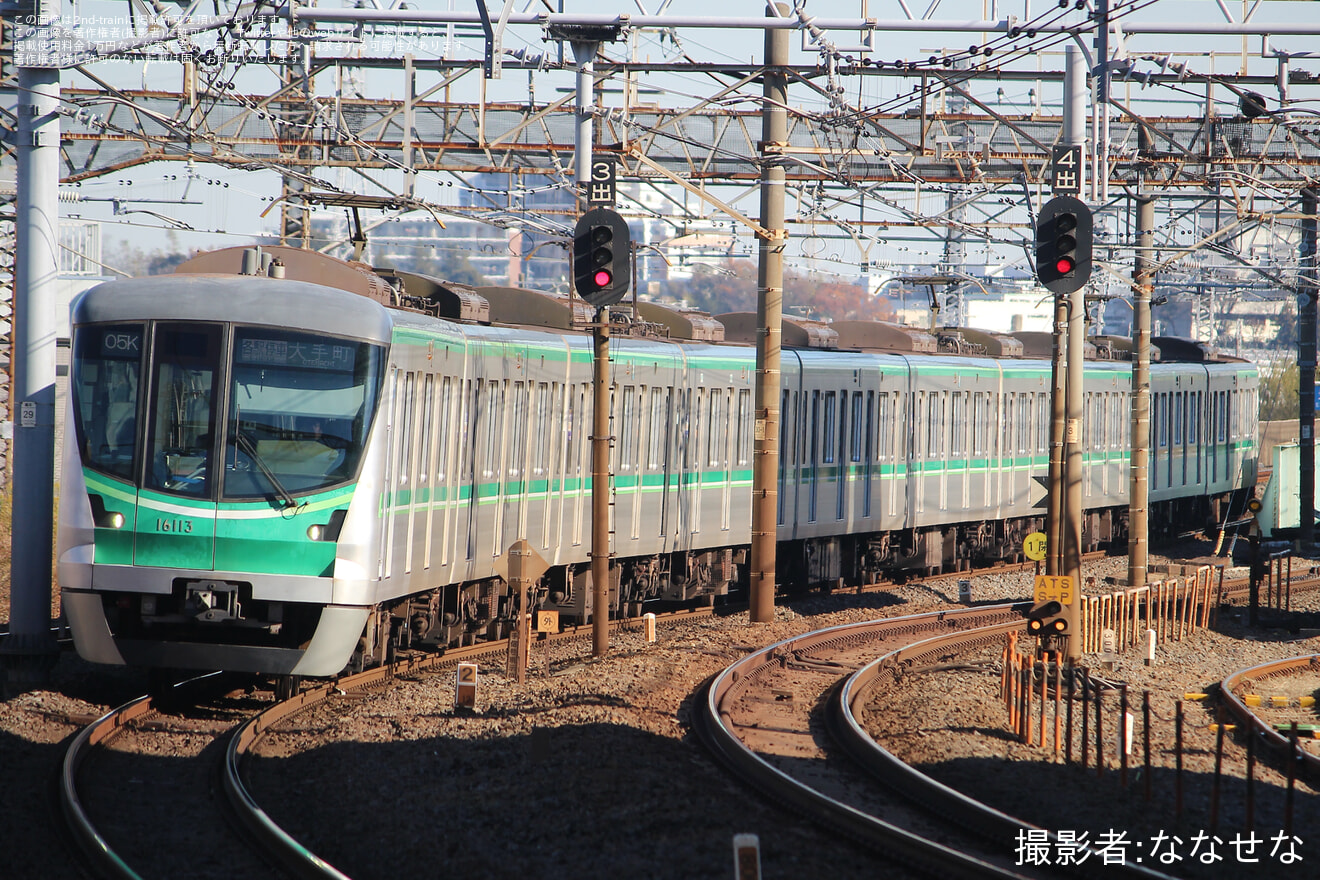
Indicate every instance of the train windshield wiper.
{"type": "Point", "coordinates": [250, 450]}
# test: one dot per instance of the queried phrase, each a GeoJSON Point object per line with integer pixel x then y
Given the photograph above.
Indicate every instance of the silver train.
{"type": "Point", "coordinates": [297, 475]}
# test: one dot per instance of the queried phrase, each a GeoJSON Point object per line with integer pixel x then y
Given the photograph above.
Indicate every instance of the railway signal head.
{"type": "Point", "coordinates": [602, 258]}
{"type": "Point", "coordinates": [1063, 244]}
{"type": "Point", "coordinates": [1047, 620]}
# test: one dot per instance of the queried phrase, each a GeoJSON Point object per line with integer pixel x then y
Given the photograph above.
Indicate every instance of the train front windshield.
{"type": "Point", "coordinates": [300, 407]}
{"type": "Point", "coordinates": [295, 407]}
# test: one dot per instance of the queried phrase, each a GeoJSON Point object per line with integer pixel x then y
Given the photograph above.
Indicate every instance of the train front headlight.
{"type": "Point", "coordinates": [316, 531]}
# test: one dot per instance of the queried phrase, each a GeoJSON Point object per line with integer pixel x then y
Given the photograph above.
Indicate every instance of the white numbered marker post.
{"type": "Point", "coordinates": [465, 686]}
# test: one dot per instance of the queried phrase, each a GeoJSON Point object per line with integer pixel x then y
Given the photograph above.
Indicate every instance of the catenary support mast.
{"type": "Point", "coordinates": [769, 321]}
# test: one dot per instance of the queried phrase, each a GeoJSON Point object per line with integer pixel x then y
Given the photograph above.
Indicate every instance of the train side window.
{"type": "Point", "coordinates": [106, 371]}
{"type": "Point", "coordinates": [958, 425]}
{"type": "Point", "coordinates": [814, 427]}
{"type": "Point", "coordinates": [1161, 423]}
{"type": "Point", "coordinates": [856, 426]}
{"type": "Point", "coordinates": [424, 468]}
{"type": "Point", "coordinates": [980, 422]}
{"type": "Point", "coordinates": [744, 426]}
{"type": "Point", "coordinates": [843, 427]}
{"type": "Point", "coordinates": [885, 422]}
{"type": "Point", "coordinates": [540, 428]}
{"type": "Point", "coordinates": [1088, 400]}
{"type": "Point", "coordinates": [1010, 407]}
{"type": "Point", "coordinates": [490, 460]}
{"type": "Point", "coordinates": [800, 424]}
{"type": "Point", "coordinates": [624, 430]}
{"type": "Point", "coordinates": [719, 427]}
{"type": "Point", "coordinates": [934, 425]}
{"type": "Point", "coordinates": [468, 447]}
{"type": "Point", "coordinates": [406, 428]}
{"type": "Point", "coordinates": [655, 437]}
{"type": "Point", "coordinates": [1042, 422]}
{"type": "Point", "coordinates": [827, 437]}
{"type": "Point", "coordinates": [518, 429]}
{"type": "Point", "coordinates": [443, 415]}
{"type": "Point", "coordinates": [1177, 418]}
{"type": "Point", "coordinates": [1024, 423]}
{"type": "Point", "coordinates": [870, 426]}
{"type": "Point", "coordinates": [785, 424]}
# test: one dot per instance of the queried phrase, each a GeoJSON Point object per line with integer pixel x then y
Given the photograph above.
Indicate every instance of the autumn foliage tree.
{"type": "Point", "coordinates": [730, 286]}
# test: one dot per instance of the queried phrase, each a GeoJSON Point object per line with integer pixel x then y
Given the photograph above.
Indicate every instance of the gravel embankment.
{"type": "Point", "coordinates": [591, 771]}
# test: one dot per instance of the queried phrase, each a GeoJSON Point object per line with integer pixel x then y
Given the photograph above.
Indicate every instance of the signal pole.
{"type": "Point", "coordinates": [769, 322]}
{"type": "Point", "coordinates": [600, 488]}
{"type": "Point", "coordinates": [1306, 358]}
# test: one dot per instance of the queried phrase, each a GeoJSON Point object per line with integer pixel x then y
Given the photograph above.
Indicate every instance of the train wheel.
{"type": "Point", "coordinates": [287, 687]}
{"type": "Point", "coordinates": [160, 685]}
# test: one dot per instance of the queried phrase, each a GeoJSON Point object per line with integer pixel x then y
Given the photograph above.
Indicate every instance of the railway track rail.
{"type": "Point", "coordinates": [103, 856]}
{"type": "Point", "coordinates": [742, 720]}
{"type": "Point", "coordinates": [1260, 681]}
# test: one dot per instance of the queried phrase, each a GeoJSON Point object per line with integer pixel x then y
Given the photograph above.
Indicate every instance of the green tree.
{"type": "Point", "coordinates": [1278, 390]}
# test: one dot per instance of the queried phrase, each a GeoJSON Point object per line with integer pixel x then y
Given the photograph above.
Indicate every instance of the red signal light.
{"type": "Point", "coordinates": [1064, 265]}
{"type": "Point", "coordinates": [602, 278]}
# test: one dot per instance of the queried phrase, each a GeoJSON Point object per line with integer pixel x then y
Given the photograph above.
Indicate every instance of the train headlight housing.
{"type": "Point", "coordinates": [316, 532]}
{"type": "Point", "coordinates": [116, 520]}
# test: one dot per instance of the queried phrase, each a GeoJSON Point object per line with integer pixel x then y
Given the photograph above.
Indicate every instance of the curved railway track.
{"type": "Point", "coordinates": [767, 716]}
{"type": "Point", "coordinates": [1303, 673]}
{"type": "Point", "coordinates": [757, 750]}
{"type": "Point", "coordinates": [105, 841]}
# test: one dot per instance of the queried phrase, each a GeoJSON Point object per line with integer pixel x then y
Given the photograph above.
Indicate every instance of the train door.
{"type": "Point", "coordinates": [629, 472]}
{"type": "Point", "coordinates": [574, 470]}
{"type": "Point", "coordinates": [652, 452]}
{"type": "Point", "coordinates": [662, 457]}
{"type": "Point", "coordinates": [683, 461]}
{"type": "Point", "coordinates": [916, 462]}
{"type": "Point", "coordinates": [389, 410]}
{"type": "Point", "coordinates": [937, 428]}
{"type": "Point", "coordinates": [445, 468]}
{"type": "Point", "coordinates": [813, 461]}
{"type": "Point", "coordinates": [869, 451]}
{"type": "Point", "coordinates": [1007, 449]}
{"type": "Point", "coordinates": [740, 455]}
{"type": "Point", "coordinates": [1228, 435]}
{"type": "Point", "coordinates": [833, 444]}
{"type": "Point", "coordinates": [175, 523]}
{"type": "Point", "coordinates": [980, 428]}
{"type": "Point", "coordinates": [697, 457]}
{"type": "Point", "coordinates": [547, 441]}
{"type": "Point", "coordinates": [850, 453]}
{"type": "Point", "coordinates": [787, 449]}
{"type": "Point", "coordinates": [889, 428]}
{"type": "Point", "coordinates": [512, 482]}
{"type": "Point", "coordinates": [426, 465]}
{"type": "Point", "coordinates": [791, 413]}
{"type": "Point", "coordinates": [408, 467]}
{"type": "Point", "coordinates": [483, 424]}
